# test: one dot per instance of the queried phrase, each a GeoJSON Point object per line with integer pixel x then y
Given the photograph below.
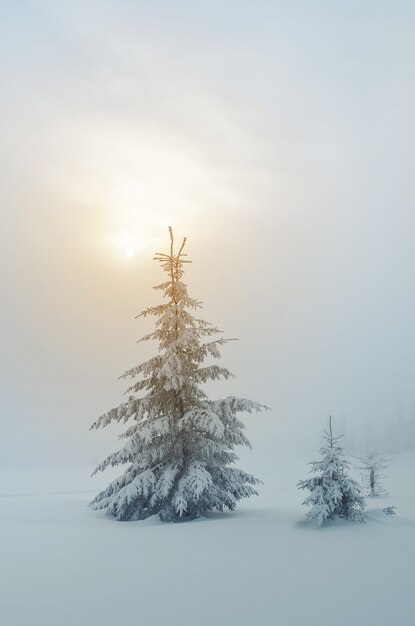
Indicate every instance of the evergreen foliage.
{"type": "Point", "coordinates": [332, 492]}
{"type": "Point", "coordinates": [389, 510]}
{"type": "Point", "coordinates": [179, 444]}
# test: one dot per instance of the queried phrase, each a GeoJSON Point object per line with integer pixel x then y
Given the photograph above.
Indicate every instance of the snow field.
{"type": "Point", "coordinates": [63, 564]}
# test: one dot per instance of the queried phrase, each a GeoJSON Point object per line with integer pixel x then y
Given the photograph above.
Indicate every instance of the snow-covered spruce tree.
{"type": "Point", "coordinates": [332, 492]}
{"type": "Point", "coordinates": [372, 465]}
{"type": "Point", "coordinates": [179, 446]}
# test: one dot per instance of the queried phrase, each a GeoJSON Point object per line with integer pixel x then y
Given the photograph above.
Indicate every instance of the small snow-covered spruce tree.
{"type": "Point", "coordinates": [179, 446]}
{"type": "Point", "coordinates": [372, 465]}
{"type": "Point", "coordinates": [332, 492]}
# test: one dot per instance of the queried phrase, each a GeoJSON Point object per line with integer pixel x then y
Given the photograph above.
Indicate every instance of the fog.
{"type": "Point", "coordinates": [278, 136]}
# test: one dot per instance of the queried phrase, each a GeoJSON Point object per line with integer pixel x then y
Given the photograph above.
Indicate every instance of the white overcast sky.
{"type": "Point", "coordinates": [278, 136]}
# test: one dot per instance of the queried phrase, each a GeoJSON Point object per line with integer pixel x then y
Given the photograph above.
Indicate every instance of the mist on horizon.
{"type": "Point", "coordinates": [281, 147]}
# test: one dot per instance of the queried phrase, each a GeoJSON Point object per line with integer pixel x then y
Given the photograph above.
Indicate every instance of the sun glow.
{"type": "Point", "coordinates": [127, 245]}
{"type": "Point", "coordinates": [144, 180]}
{"type": "Point", "coordinates": [129, 252]}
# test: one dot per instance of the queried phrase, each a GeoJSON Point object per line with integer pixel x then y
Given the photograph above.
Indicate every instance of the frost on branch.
{"type": "Point", "coordinates": [179, 443]}
{"type": "Point", "coordinates": [372, 465]}
{"type": "Point", "coordinates": [332, 492]}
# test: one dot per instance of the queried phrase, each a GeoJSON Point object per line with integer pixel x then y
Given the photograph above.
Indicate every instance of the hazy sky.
{"type": "Point", "coordinates": [278, 136]}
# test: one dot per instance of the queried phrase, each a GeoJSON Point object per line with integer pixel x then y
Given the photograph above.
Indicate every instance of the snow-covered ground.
{"type": "Point", "coordinates": [63, 564]}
